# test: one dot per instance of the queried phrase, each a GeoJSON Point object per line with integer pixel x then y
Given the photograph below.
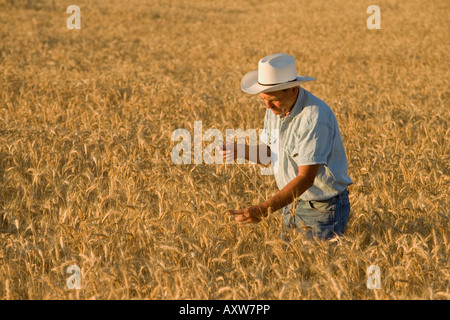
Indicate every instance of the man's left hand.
{"type": "Point", "coordinates": [253, 214]}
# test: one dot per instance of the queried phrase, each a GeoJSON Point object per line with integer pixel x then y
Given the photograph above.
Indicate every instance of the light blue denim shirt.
{"type": "Point", "coordinates": [308, 135]}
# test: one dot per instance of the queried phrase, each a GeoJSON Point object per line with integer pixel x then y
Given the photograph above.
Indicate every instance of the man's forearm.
{"type": "Point", "coordinates": [259, 154]}
{"type": "Point", "coordinates": [291, 191]}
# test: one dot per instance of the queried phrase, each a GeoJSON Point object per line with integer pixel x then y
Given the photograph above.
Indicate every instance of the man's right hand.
{"type": "Point", "coordinates": [228, 152]}
{"type": "Point", "coordinates": [233, 151]}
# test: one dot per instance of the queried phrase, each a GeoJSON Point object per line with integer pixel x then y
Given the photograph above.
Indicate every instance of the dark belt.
{"type": "Point", "coordinates": [338, 197]}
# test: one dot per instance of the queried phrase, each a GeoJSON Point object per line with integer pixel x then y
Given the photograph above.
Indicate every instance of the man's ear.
{"type": "Point", "coordinates": [292, 91]}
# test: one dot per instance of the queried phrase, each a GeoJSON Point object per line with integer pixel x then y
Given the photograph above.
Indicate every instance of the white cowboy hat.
{"type": "Point", "coordinates": [275, 72]}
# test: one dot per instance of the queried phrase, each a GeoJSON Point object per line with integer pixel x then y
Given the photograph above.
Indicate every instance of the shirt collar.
{"type": "Point", "coordinates": [298, 106]}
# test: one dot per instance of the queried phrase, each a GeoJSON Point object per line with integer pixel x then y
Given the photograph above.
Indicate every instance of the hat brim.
{"type": "Point", "coordinates": [249, 83]}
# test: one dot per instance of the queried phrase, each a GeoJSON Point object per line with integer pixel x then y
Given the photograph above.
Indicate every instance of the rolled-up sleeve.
{"type": "Point", "coordinates": [314, 145]}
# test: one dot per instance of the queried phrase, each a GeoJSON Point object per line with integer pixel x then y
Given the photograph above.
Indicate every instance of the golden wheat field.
{"type": "Point", "coordinates": [87, 179]}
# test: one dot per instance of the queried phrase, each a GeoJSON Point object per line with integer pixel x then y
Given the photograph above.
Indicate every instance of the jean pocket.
{"type": "Point", "coordinates": [322, 206]}
{"type": "Point", "coordinates": [320, 223]}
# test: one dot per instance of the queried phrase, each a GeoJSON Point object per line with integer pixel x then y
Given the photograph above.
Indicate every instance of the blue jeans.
{"type": "Point", "coordinates": [318, 219]}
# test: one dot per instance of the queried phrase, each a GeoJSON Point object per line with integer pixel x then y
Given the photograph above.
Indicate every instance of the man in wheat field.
{"type": "Point", "coordinates": [302, 136]}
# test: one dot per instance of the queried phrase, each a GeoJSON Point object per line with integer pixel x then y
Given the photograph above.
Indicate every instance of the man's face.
{"type": "Point", "coordinates": [280, 102]}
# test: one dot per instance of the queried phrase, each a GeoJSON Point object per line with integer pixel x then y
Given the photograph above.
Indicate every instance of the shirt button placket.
{"type": "Point", "coordinates": [283, 129]}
